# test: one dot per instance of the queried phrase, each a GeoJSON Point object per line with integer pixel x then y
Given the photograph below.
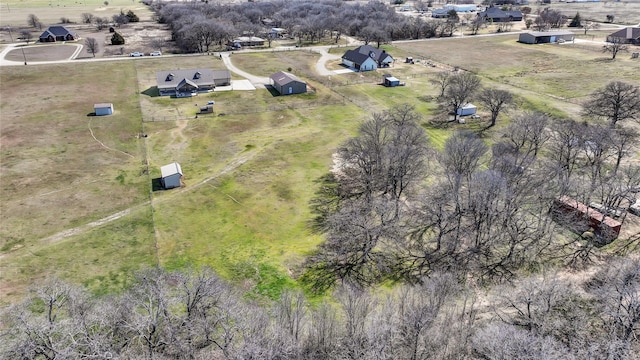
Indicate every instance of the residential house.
{"type": "Point", "coordinates": [440, 13]}
{"type": "Point", "coordinates": [246, 41]}
{"type": "Point", "coordinates": [494, 14]}
{"type": "Point", "coordinates": [184, 83]}
{"type": "Point", "coordinates": [58, 33]}
{"type": "Point", "coordinates": [629, 35]}
{"type": "Point", "coordinates": [101, 109]}
{"type": "Point", "coordinates": [366, 57]}
{"type": "Point", "coordinates": [545, 37]}
{"type": "Point", "coordinates": [171, 175]}
{"type": "Point", "coordinates": [287, 84]}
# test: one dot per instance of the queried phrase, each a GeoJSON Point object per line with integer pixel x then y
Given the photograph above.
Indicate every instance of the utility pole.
{"type": "Point", "coordinates": [21, 47]}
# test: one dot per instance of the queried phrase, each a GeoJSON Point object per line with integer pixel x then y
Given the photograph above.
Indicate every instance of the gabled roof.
{"type": "Point", "coordinates": [171, 79]}
{"type": "Point", "coordinates": [494, 12]}
{"type": "Point", "coordinates": [550, 33]}
{"type": "Point", "coordinates": [102, 105]}
{"type": "Point", "coordinates": [283, 78]}
{"type": "Point", "coordinates": [170, 169]}
{"type": "Point", "coordinates": [627, 33]}
{"type": "Point", "coordinates": [184, 82]}
{"type": "Point", "coordinates": [57, 30]}
{"type": "Point", "coordinates": [361, 53]}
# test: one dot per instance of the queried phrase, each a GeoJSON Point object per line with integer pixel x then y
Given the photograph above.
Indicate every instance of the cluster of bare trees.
{"type": "Point", "coordinates": [197, 26]}
{"type": "Point", "coordinates": [195, 315]}
{"type": "Point", "coordinates": [395, 208]}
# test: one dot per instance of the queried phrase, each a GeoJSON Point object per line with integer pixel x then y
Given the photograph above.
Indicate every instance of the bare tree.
{"type": "Point", "coordinates": [92, 45]}
{"type": "Point", "coordinates": [495, 100]}
{"type": "Point", "coordinates": [101, 22]}
{"type": "Point", "coordinates": [442, 81]}
{"type": "Point", "coordinates": [590, 25]}
{"type": "Point", "coordinates": [614, 47]}
{"type": "Point", "coordinates": [618, 101]}
{"type": "Point", "coordinates": [87, 18]}
{"type": "Point", "coordinates": [26, 35]}
{"type": "Point", "coordinates": [461, 87]}
{"type": "Point", "coordinates": [34, 22]}
{"type": "Point", "coordinates": [476, 24]}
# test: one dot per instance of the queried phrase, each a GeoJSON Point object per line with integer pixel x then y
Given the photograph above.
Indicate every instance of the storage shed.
{"type": "Point", "coordinates": [466, 109]}
{"type": "Point", "coordinates": [287, 84]}
{"type": "Point", "coordinates": [103, 109]}
{"type": "Point", "coordinates": [390, 81]}
{"type": "Point", "coordinates": [545, 37]}
{"type": "Point", "coordinates": [171, 175]}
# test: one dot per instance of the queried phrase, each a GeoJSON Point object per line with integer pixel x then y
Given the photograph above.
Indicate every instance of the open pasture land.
{"type": "Point", "coordinates": [250, 168]}
{"type": "Point", "coordinates": [553, 78]}
{"type": "Point", "coordinates": [16, 12]}
{"type": "Point", "coordinates": [624, 12]}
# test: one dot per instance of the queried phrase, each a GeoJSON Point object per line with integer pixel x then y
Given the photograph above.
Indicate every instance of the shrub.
{"type": "Point", "coordinates": [117, 39]}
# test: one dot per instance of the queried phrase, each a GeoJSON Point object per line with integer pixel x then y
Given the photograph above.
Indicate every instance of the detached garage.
{"type": "Point", "coordinates": [287, 84]}
{"type": "Point", "coordinates": [171, 176]}
{"type": "Point", "coordinates": [546, 37]}
{"type": "Point", "coordinates": [103, 109]}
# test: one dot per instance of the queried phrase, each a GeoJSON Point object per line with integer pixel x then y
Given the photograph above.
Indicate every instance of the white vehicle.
{"type": "Point", "coordinates": [136, 54]}
{"type": "Point", "coordinates": [155, 53]}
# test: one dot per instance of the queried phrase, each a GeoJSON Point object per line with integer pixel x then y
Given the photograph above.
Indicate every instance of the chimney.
{"type": "Point", "coordinates": [629, 33]}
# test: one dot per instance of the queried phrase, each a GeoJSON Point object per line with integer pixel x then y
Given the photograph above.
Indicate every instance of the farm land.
{"type": "Point", "coordinates": [77, 194]}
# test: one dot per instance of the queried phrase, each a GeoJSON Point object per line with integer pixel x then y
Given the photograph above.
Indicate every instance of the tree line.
{"type": "Point", "coordinates": [194, 315]}
{"type": "Point", "coordinates": [395, 208]}
{"type": "Point", "coordinates": [200, 26]}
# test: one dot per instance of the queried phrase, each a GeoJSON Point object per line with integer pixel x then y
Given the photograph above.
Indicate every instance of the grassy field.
{"type": "Point", "coordinates": [16, 12]}
{"type": "Point", "coordinates": [250, 168]}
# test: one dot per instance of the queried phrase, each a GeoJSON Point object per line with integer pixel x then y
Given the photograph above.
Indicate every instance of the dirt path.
{"type": "Point", "coordinates": [232, 165]}
{"type": "Point", "coordinates": [178, 140]}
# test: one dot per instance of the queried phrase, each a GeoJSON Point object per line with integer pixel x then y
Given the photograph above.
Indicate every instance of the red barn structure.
{"type": "Point", "coordinates": [580, 217]}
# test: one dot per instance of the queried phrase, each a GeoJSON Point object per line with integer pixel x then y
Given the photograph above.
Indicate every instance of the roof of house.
{"type": "Point", "coordinates": [57, 30]}
{"type": "Point", "coordinates": [170, 79]}
{"type": "Point", "coordinates": [283, 78]}
{"type": "Point", "coordinates": [361, 53]}
{"type": "Point", "coordinates": [102, 105]}
{"type": "Point", "coordinates": [170, 169]}
{"type": "Point", "coordinates": [248, 39]}
{"type": "Point", "coordinates": [494, 12]}
{"type": "Point", "coordinates": [550, 33]}
{"type": "Point", "coordinates": [627, 33]}
{"type": "Point", "coordinates": [221, 74]}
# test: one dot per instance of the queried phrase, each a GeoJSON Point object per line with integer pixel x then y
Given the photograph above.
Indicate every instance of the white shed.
{"type": "Point", "coordinates": [103, 109]}
{"type": "Point", "coordinates": [171, 175]}
{"type": "Point", "coordinates": [466, 109]}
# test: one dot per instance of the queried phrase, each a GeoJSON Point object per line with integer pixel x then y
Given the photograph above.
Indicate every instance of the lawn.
{"type": "Point", "coordinates": [250, 168]}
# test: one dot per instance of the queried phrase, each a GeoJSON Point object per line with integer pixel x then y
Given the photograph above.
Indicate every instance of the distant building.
{"type": "Point", "coordinates": [390, 81]}
{"type": "Point", "coordinates": [246, 41]}
{"type": "Point", "coordinates": [494, 14]}
{"type": "Point", "coordinates": [171, 176]}
{"type": "Point", "coordinates": [466, 109]}
{"type": "Point", "coordinates": [629, 35]}
{"type": "Point", "coordinates": [58, 33]}
{"type": "Point", "coordinates": [461, 8]}
{"type": "Point", "coordinates": [366, 58]}
{"type": "Point", "coordinates": [288, 84]}
{"type": "Point", "coordinates": [101, 109]}
{"type": "Point", "coordinates": [545, 37]}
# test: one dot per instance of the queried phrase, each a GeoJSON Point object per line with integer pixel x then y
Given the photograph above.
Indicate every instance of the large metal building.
{"type": "Point", "coordinates": [545, 37]}
{"type": "Point", "coordinates": [287, 84]}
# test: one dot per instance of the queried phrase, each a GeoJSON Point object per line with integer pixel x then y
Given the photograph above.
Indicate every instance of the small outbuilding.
{"type": "Point", "coordinates": [171, 176]}
{"type": "Point", "coordinates": [546, 37]}
{"type": "Point", "coordinates": [287, 84]}
{"type": "Point", "coordinates": [390, 81]}
{"type": "Point", "coordinates": [466, 109]}
{"type": "Point", "coordinates": [102, 109]}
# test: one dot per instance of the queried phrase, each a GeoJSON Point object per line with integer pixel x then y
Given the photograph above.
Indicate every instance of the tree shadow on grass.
{"type": "Point", "coordinates": [152, 92]}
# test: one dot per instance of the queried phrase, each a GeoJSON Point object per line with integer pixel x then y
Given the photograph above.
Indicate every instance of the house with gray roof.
{"type": "Point", "coordinates": [494, 14]}
{"type": "Point", "coordinates": [58, 33]}
{"type": "Point", "coordinates": [366, 58]}
{"type": "Point", "coordinates": [185, 83]}
{"type": "Point", "coordinates": [287, 84]}
{"type": "Point", "coordinates": [629, 35]}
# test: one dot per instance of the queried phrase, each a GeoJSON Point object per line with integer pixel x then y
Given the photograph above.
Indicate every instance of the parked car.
{"type": "Point", "coordinates": [155, 53]}
{"type": "Point", "coordinates": [136, 54]}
